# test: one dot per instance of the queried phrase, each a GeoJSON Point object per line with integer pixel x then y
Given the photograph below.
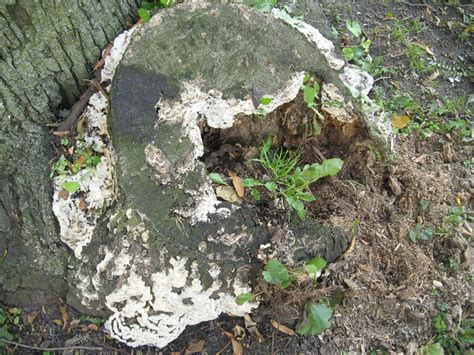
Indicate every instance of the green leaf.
{"type": "Point", "coordinates": [5, 334]}
{"type": "Point", "coordinates": [144, 14]}
{"type": "Point", "coordinates": [331, 167]}
{"type": "Point", "coordinates": [255, 194]}
{"type": "Point", "coordinates": [148, 5]}
{"type": "Point", "coordinates": [275, 273]}
{"type": "Point", "coordinates": [310, 93]}
{"type": "Point", "coordinates": [317, 262]}
{"type": "Point", "coordinates": [252, 182]}
{"type": "Point", "coordinates": [262, 5]}
{"type": "Point", "coordinates": [265, 100]}
{"type": "Point", "coordinates": [348, 53]}
{"type": "Point", "coordinates": [217, 178]}
{"type": "Point", "coordinates": [431, 349]}
{"type": "Point", "coordinates": [297, 205]}
{"type": "Point", "coordinates": [71, 186]}
{"type": "Point", "coordinates": [316, 319]}
{"type": "Point", "coordinates": [366, 44]}
{"type": "Point", "coordinates": [266, 147]}
{"type": "Point", "coordinates": [354, 28]}
{"type": "Point", "coordinates": [306, 196]}
{"type": "Point", "coordinates": [167, 3]}
{"type": "Point", "coordinates": [271, 186]}
{"type": "Point", "coordinates": [439, 323]}
{"type": "Point", "coordinates": [243, 298]}
{"type": "Point", "coordinates": [426, 234]}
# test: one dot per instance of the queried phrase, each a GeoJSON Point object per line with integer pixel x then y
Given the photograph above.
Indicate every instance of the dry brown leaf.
{"type": "Point", "coordinates": [282, 328]}
{"type": "Point", "coordinates": [433, 76]}
{"type": "Point", "coordinates": [82, 205]}
{"type": "Point", "coordinates": [237, 347]}
{"type": "Point", "coordinates": [425, 48]}
{"type": "Point", "coordinates": [400, 121]}
{"type": "Point", "coordinates": [5, 253]}
{"type": "Point", "coordinates": [93, 327]}
{"type": "Point", "coordinates": [195, 346]}
{"type": "Point", "coordinates": [30, 317]}
{"type": "Point", "coordinates": [105, 53]}
{"type": "Point", "coordinates": [239, 332]}
{"type": "Point", "coordinates": [63, 194]}
{"type": "Point", "coordinates": [251, 327]}
{"type": "Point", "coordinates": [61, 133]}
{"type": "Point", "coordinates": [227, 193]}
{"type": "Point", "coordinates": [64, 314]}
{"type": "Point", "coordinates": [57, 321]}
{"type": "Point", "coordinates": [238, 184]}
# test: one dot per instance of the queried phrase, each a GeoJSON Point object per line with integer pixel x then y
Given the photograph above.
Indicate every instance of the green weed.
{"type": "Point", "coordinates": [287, 179]}
{"type": "Point", "coordinates": [147, 8]}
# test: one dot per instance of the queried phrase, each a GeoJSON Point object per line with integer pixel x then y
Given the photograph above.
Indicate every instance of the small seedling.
{"type": "Point", "coordinates": [217, 178]}
{"type": "Point", "coordinates": [148, 7]}
{"type": "Point", "coordinates": [263, 102]}
{"type": "Point", "coordinates": [420, 234]}
{"type": "Point", "coordinates": [277, 274]}
{"type": "Point", "coordinates": [262, 5]}
{"type": "Point", "coordinates": [287, 179]}
{"type": "Point", "coordinates": [316, 319]}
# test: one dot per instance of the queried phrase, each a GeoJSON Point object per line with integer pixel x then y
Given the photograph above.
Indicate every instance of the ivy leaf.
{"type": "Point", "coordinates": [144, 14]}
{"type": "Point", "coordinates": [354, 28]}
{"type": "Point", "coordinates": [265, 100]}
{"type": "Point", "coordinates": [243, 298]}
{"type": "Point", "coordinates": [216, 178]}
{"type": "Point", "coordinates": [315, 265]}
{"type": "Point", "coordinates": [348, 53]}
{"type": "Point", "coordinates": [275, 273]}
{"type": "Point", "coordinates": [316, 319]}
{"type": "Point", "coordinates": [70, 186]}
{"type": "Point", "coordinates": [252, 182]}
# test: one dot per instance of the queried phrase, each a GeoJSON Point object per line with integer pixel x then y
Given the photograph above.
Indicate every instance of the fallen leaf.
{"type": "Point", "coordinates": [239, 332]}
{"type": "Point", "coordinates": [238, 184]}
{"type": "Point", "coordinates": [237, 347]}
{"type": "Point", "coordinates": [61, 133]}
{"type": "Point", "coordinates": [57, 321]}
{"type": "Point", "coordinates": [82, 205]}
{"type": "Point", "coordinates": [64, 314]}
{"type": "Point", "coordinates": [93, 327]}
{"type": "Point", "coordinates": [195, 346]}
{"type": "Point", "coordinates": [63, 194]}
{"type": "Point", "coordinates": [30, 317]}
{"type": "Point", "coordinates": [433, 76]}
{"type": "Point", "coordinates": [251, 327]}
{"type": "Point", "coordinates": [425, 47]}
{"type": "Point", "coordinates": [400, 121]}
{"type": "Point", "coordinates": [227, 193]}
{"type": "Point", "coordinates": [5, 253]}
{"type": "Point", "coordinates": [282, 328]}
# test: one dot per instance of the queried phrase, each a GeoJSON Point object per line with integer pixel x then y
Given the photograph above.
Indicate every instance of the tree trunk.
{"type": "Point", "coordinates": [48, 49]}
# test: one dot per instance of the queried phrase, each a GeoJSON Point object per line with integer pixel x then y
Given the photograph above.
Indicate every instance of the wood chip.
{"type": "Point", "coordinates": [282, 328]}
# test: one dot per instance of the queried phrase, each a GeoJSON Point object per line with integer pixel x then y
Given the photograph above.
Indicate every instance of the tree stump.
{"type": "Point", "coordinates": [154, 249]}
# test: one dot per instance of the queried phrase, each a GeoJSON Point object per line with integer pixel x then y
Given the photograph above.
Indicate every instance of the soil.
{"type": "Point", "coordinates": [388, 286]}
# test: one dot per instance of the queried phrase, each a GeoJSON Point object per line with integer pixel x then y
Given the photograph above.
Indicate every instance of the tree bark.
{"type": "Point", "coordinates": [47, 51]}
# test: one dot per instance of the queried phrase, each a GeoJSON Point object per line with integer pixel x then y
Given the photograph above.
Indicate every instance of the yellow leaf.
{"type": "Point", "coordinates": [400, 121]}
{"type": "Point", "coordinates": [227, 193]}
{"type": "Point", "coordinates": [64, 314]}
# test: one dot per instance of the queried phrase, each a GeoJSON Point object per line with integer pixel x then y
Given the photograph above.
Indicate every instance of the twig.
{"type": "Point", "coordinates": [382, 78]}
{"type": "Point", "coordinates": [50, 349]}
{"type": "Point", "coordinates": [76, 110]}
{"type": "Point", "coordinates": [416, 5]}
